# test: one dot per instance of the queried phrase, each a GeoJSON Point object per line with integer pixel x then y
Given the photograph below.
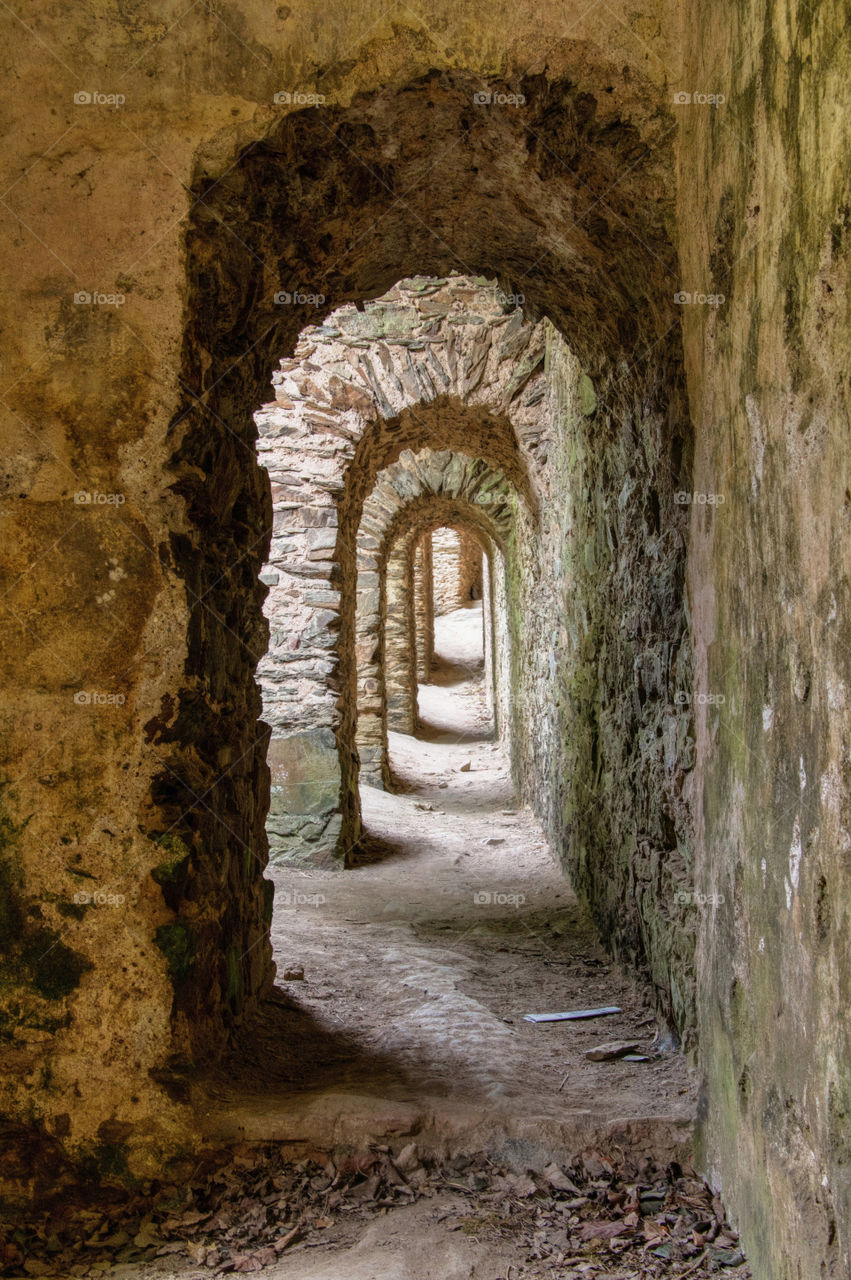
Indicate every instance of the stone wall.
{"type": "Point", "coordinates": [470, 567]}
{"type": "Point", "coordinates": [398, 708]}
{"type": "Point", "coordinates": [132, 746]}
{"type": "Point", "coordinates": [423, 591]}
{"type": "Point", "coordinates": [764, 219]}
{"type": "Point", "coordinates": [498, 646]}
{"type": "Point", "coordinates": [433, 361]}
{"type": "Point", "coordinates": [601, 669]}
{"type": "Point", "coordinates": [457, 569]}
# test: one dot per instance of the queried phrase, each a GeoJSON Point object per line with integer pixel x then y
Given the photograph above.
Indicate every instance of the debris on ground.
{"type": "Point", "coordinates": [575, 1015]}
{"type": "Point", "coordinates": [590, 1218]}
{"type": "Point", "coordinates": [614, 1049]}
{"type": "Point", "coordinates": [293, 973]}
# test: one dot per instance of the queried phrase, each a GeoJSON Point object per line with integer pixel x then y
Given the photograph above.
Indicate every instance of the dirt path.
{"type": "Point", "coordinates": [392, 1103]}
{"type": "Point", "coordinates": [420, 964]}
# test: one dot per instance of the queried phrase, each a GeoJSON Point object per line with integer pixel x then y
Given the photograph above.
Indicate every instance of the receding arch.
{"type": "Point", "coordinates": [359, 392]}
{"type": "Point", "coordinates": [297, 211]}
{"type": "Point", "coordinates": [396, 627]}
{"type": "Point", "coordinates": [409, 485]}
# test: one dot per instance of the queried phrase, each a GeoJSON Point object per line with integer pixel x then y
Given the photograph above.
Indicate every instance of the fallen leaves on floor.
{"type": "Point", "coordinates": [593, 1218]}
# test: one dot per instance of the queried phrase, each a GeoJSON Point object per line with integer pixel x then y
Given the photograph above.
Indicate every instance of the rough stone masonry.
{"type": "Point", "coordinates": [186, 192]}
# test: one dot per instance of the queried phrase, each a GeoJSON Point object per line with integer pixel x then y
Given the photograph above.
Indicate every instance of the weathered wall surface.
{"type": "Point", "coordinates": [457, 569]}
{"type": "Point", "coordinates": [147, 589]}
{"type": "Point", "coordinates": [602, 671]}
{"type": "Point", "coordinates": [764, 220]}
{"type": "Point", "coordinates": [441, 362]}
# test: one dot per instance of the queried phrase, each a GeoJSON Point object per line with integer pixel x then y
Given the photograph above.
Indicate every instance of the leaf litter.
{"type": "Point", "coordinates": [592, 1218]}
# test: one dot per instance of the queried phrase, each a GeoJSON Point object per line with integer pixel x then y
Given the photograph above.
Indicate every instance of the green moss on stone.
{"type": "Point", "coordinates": [173, 866]}
{"type": "Point", "coordinates": [587, 395]}
{"type": "Point", "coordinates": [176, 943]}
{"type": "Point", "coordinates": [169, 872]}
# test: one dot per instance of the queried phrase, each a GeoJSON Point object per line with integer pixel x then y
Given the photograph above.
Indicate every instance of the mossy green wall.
{"type": "Point", "coordinates": [763, 211]}
{"type": "Point", "coordinates": [602, 669]}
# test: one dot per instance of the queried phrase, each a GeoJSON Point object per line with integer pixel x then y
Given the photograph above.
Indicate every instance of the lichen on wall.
{"type": "Point", "coordinates": [764, 223]}
{"type": "Point", "coordinates": [601, 673]}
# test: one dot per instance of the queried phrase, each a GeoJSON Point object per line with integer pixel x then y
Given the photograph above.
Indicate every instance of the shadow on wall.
{"type": "Point", "coordinates": [307, 198]}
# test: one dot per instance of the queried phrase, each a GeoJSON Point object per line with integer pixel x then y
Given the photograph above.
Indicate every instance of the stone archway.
{"type": "Point", "coordinates": [596, 189]}
{"type": "Point", "coordinates": [294, 215]}
{"type": "Point", "coordinates": [399, 668]}
{"type": "Point", "coordinates": [446, 363]}
{"type": "Point", "coordinates": [476, 494]}
{"type": "Point", "coordinates": [588, 280]}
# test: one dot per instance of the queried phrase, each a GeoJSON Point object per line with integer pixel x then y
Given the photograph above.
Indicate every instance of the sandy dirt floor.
{"type": "Point", "coordinates": [390, 1115]}
{"type": "Point", "coordinates": [420, 964]}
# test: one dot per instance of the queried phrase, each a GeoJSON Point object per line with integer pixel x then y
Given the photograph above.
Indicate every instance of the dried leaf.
{"type": "Point", "coordinates": [557, 1178]}
{"type": "Point", "coordinates": [288, 1239]}
{"type": "Point", "coordinates": [602, 1230]}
